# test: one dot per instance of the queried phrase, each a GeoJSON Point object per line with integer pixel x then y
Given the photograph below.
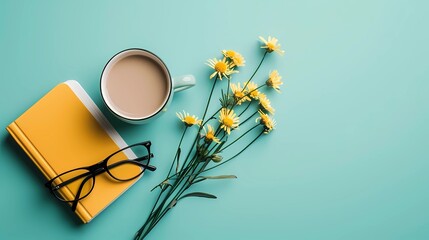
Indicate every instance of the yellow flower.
{"type": "Point", "coordinates": [223, 68]}
{"type": "Point", "coordinates": [236, 57]}
{"type": "Point", "coordinates": [229, 53]}
{"type": "Point", "coordinates": [228, 120]}
{"type": "Point", "coordinates": [239, 60]}
{"type": "Point", "coordinates": [209, 135]}
{"type": "Point", "coordinates": [271, 45]}
{"type": "Point", "coordinates": [239, 93]}
{"type": "Point", "coordinates": [265, 103]}
{"type": "Point", "coordinates": [252, 90]}
{"type": "Point", "coordinates": [188, 119]}
{"type": "Point", "coordinates": [265, 120]}
{"type": "Point", "coordinates": [274, 80]}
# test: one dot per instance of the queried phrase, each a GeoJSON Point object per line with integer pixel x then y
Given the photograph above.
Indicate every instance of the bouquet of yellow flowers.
{"type": "Point", "coordinates": [215, 133]}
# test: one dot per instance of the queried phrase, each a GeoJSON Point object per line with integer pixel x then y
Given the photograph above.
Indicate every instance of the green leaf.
{"type": "Point", "coordinates": [218, 177]}
{"type": "Point", "coordinates": [163, 185]}
{"type": "Point", "coordinates": [198, 194]}
{"type": "Point", "coordinates": [203, 178]}
{"type": "Point", "coordinates": [159, 185]}
{"type": "Point", "coordinates": [198, 180]}
{"type": "Point", "coordinates": [172, 204]}
{"type": "Point", "coordinates": [226, 99]}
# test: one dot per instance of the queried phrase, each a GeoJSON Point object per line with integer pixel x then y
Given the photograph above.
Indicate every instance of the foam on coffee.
{"type": "Point", "coordinates": [137, 87]}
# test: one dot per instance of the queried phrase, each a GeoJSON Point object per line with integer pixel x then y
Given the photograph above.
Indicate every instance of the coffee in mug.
{"type": "Point", "coordinates": [136, 85]}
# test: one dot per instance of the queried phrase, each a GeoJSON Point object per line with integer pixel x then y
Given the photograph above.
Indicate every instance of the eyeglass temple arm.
{"type": "Point", "coordinates": [77, 196]}
{"type": "Point", "coordinates": [146, 166]}
{"type": "Point", "coordinates": [149, 167]}
{"type": "Point", "coordinates": [146, 144]}
{"type": "Point", "coordinates": [143, 158]}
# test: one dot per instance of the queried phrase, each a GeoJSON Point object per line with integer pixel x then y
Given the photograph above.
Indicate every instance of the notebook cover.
{"type": "Point", "coordinates": [66, 130]}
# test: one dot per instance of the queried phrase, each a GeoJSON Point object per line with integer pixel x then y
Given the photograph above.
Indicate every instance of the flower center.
{"type": "Point", "coordinates": [254, 93]}
{"type": "Point", "coordinates": [230, 54]}
{"type": "Point", "coordinates": [271, 46]}
{"type": "Point", "coordinates": [228, 122]}
{"type": "Point", "coordinates": [264, 120]}
{"type": "Point", "coordinates": [239, 94]}
{"type": "Point", "coordinates": [189, 120]}
{"type": "Point", "coordinates": [220, 67]}
{"type": "Point", "coordinates": [237, 61]}
{"type": "Point", "coordinates": [210, 136]}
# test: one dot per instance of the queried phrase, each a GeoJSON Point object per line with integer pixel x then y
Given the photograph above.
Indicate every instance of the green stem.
{"type": "Point", "coordinates": [211, 118]}
{"type": "Point", "coordinates": [174, 175]}
{"type": "Point", "coordinates": [244, 87]}
{"type": "Point", "coordinates": [177, 153]}
{"type": "Point", "coordinates": [227, 89]}
{"type": "Point", "coordinates": [215, 145]}
{"type": "Point", "coordinates": [260, 63]}
{"type": "Point", "coordinates": [155, 222]}
{"type": "Point", "coordinates": [201, 126]}
{"type": "Point", "coordinates": [148, 220]}
{"type": "Point", "coordinates": [248, 145]}
{"type": "Point", "coordinates": [208, 103]}
{"type": "Point", "coordinates": [202, 120]}
{"type": "Point", "coordinates": [161, 209]}
{"type": "Point", "coordinates": [247, 119]}
{"type": "Point", "coordinates": [191, 177]}
{"type": "Point", "coordinates": [194, 167]}
{"type": "Point", "coordinates": [247, 94]}
{"type": "Point", "coordinates": [238, 138]}
{"type": "Point", "coordinates": [164, 211]}
{"type": "Point", "coordinates": [248, 105]}
{"type": "Point", "coordinates": [191, 165]}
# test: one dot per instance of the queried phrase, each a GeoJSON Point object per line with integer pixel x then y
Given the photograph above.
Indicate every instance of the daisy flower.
{"type": "Point", "coordinates": [209, 135]}
{"type": "Point", "coordinates": [235, 57]}
{"type": "Point", "coordinates": [229, 53]}
{"type": "Point", "coordinates": [239, 93]}
{"type": "Point", "coordinates": [223, 68]}
{"type": "Point", "coordinates": [252, 90]}
{"type": "Point", "coordinates": [274, 80]}
{"type": "Point", "coordinates": [265, 103]}
{"type": "Point", "coordinates": [265, 120]}
{"type": "Point", "coordinates": [271, 45]}
{"type": "Point", "coordinates": [188, 119]}
{"type": "Point", "coordinates": [228, 120]}
{"type": "Point", "coordinates": [238, 60]}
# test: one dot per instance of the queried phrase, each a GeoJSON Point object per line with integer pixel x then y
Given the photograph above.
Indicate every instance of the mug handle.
{"type": "Point", "coordinates": [183, 82]}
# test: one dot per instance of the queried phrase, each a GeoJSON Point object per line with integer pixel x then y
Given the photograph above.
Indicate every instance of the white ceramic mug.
{"type": "Point", "coordinates": [136, 85]}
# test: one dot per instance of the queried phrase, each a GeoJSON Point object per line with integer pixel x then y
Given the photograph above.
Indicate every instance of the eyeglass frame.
{"type": "Point", "coordinates": [97, 169]}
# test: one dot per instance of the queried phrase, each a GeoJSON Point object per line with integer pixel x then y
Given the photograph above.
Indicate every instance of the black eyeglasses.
{"type": "Point", "coordinates": [80, 181]}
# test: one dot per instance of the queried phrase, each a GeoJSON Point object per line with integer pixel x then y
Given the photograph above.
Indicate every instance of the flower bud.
{"type": "Point", "coordinates": [216, 158]}
{"type": "Point", "coordinates": [202, 153]}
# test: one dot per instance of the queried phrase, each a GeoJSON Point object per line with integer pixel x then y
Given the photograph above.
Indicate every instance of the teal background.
{"type": "Point", "coordinates": [349, 157]}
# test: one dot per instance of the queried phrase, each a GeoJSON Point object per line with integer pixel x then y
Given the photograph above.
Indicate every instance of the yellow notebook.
{"type": "Point", "coordinates": [65, 130]}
